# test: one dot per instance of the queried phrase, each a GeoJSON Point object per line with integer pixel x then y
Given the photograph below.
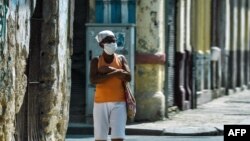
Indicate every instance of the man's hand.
{"type": "Point", "coordinates": [106, 69]}
{"type": "Point", "coordinates": [121, 74]}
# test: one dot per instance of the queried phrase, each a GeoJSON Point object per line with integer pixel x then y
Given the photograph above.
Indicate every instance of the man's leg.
{"type": "Point", "coordinates": [118, 120]}
{"type": "Point", "coordinates": [101, 121]}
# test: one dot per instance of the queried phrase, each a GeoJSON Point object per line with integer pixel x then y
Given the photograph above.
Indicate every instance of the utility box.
{"type": "Point", "coordinates": [125, 35]}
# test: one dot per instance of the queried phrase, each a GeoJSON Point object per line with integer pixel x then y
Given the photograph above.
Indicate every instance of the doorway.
{"type": "Point", "coordinates": [77, 101]}
{"type": "Point", "coordinates": [27, 120]}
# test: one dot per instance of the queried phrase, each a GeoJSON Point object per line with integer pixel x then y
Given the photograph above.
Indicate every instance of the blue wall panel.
{"type": "Point", "coordinates": [99, 11]}
{"type": "Point", "coordinates": [131, 11]}
{"type": "Point", "coordinates": [116, 14]}
{"type": "Point", "coordinates": [116, 11]}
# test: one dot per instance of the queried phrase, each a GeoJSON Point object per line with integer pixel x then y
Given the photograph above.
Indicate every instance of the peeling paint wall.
{"type": "Point", "coordinates": [55, 81]}
{"type": "Point", "coordinates": [55, 69]}
{"type": "Point", "coordinates": [14, 52]}
{"type": "Point", "coordinates": [150, 30]}
{"type": "Point", "coordinates": [201, 43]}
{"type": "Point", "coordinates": [149, 77]}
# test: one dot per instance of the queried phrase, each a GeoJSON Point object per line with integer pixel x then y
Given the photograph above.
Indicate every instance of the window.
{"type": "Point", "coordinates": [115, 11]}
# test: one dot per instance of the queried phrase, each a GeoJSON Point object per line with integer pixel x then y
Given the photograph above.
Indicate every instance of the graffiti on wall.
{"type": "Point", "coordinates": [120, 39]}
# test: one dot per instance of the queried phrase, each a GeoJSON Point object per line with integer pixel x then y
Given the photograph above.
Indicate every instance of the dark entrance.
{"type": "Point", "coordinates": [77, 118]}
{"type": "Point", "coordinates": [77, 101]}
{"type": "Point", "coordinates": [27, 120]}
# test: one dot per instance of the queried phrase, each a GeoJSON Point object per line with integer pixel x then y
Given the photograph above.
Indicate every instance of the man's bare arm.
{"type": "Point", "coordinates": [98, 76]}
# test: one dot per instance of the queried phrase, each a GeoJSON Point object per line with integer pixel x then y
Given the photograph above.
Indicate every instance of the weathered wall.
{"type": "Point", "coordinates": [234, 23]}
{"type": "Point", "coordinates": [14, 52]}
{"type": "Point", "coordinates": [55, 69]}
{"type": "Point", "coordinates": [54, 87]}
{"type": "Point", "coordinates": [200, 38]}
{"type": "Point", "coordinates": [149, 74]}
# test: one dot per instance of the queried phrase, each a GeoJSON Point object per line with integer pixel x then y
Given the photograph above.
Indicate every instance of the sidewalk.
{"type": "Point", "coordinates": [207, 119]}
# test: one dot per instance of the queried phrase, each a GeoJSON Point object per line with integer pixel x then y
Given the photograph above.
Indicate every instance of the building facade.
{"type": "Point", "coordinates": [175, 44]}
{"type": "Point", "coordinates": [172, 47]}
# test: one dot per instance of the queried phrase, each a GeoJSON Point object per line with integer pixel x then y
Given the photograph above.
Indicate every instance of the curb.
{"type": "Point", "coordinates": [144, 132]}
{"type": "Point", "coordinates": [183, 131]}
{"type": "Point", "coordinates": [193, 131]}
{"type": "Point", "coordinates": [210, 130]}
{"type": "Point", "coordinates": [175, 131]}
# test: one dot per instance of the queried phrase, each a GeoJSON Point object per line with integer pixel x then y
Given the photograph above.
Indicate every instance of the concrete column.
{"type": "Point", "coordinates": [225, 53]}
{"type": "Point", "coordinates": [201, 45]}
{"type": "Point", "coordinates": [241, 44]}
{"type": "Point", "coordinates": [233, 44]}
{"type": "Point", "coordinates": [223, 60]}
{"type": "Point", "coordinates": [245, 49]}
{"type": "Point", "coordinates": [55, 64]}
{"type": "Point", "coordinates": [248, 44]}
{"type": "Point", "coordinates": [188, 54]}
{"type": "Point", "coordinates": [180, 91]}
{"type": "Point", "coordinates": [206, 45]}
{"type": "Point", "coordinates": [214, 41]}
{"type": "Point", "coordinates": [218, 40]}
{"type": "Point", "coordinates": [150, 59]}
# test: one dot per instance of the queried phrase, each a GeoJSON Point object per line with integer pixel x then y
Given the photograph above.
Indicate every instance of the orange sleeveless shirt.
{"type": "Point", "coordinates": [111, 90]}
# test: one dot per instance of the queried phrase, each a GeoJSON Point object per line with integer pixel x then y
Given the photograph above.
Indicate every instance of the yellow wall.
{"type": "Point", "coordinates": [201, 11]}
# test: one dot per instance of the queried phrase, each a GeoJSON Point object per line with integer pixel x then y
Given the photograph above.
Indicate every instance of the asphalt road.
{"type": "Point", "coordinates": [155, 138]}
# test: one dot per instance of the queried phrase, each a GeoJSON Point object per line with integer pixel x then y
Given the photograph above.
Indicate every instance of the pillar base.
{"type": "Point", "coordinates": [150, 107]}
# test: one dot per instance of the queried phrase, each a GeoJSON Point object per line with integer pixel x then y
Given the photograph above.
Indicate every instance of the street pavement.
{"type": "Point", "coordinates": [206, 120]}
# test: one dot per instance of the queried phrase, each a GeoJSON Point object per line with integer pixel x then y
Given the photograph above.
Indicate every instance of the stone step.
{"type": "Point", "coordinates": [77, 111]}
{"type": "Point", "coordinates": [80, 129]}
{"type": "Point", "coordinates": [77, 118]}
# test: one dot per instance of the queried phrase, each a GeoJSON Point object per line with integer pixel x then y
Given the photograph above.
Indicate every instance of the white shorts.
{"type": "Point", "coordinates": [110, 114]}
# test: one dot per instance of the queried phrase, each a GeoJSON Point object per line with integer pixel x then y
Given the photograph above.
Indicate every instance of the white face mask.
{"type": "Point", "coordinates": [110, 48]}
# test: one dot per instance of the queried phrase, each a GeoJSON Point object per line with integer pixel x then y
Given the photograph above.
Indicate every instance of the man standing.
{"type": "Point", "coordinates": [108, 72]}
